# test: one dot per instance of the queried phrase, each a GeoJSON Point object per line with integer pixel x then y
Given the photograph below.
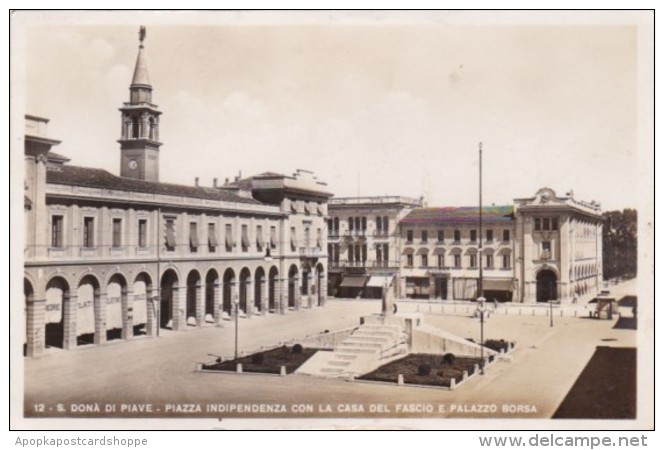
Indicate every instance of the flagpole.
{"type": "Point", "coordinates": [480, 290]}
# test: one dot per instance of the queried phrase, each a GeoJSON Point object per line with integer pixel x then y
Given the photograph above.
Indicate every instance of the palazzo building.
{"type": "Point", "coordinates": [115, 257]}
{"type": "Point", "coordinates": [541, 248]}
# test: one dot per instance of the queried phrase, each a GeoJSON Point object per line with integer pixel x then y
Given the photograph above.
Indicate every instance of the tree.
{"type": "Point", "coordinates": [619, 244]}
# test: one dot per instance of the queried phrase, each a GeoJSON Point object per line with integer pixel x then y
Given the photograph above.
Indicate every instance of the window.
{"type": "Point", "coordinates": [506, 235]}
{"type": "Point", "coordinates": [409, 260]}
{"type": "Point", "coordinates": [142, 233]}
{"type": "Point", "coordinates": [473, 261]}
{"type": "Point", "coordinates": [245, 238]}
{"type": "Point", "coordinates": [457, 261]}
{"type": "Point", "coordinates": [409, 236]}
{"type": "Point", "coordinates": [489, 235]}
{"type": "Point", "coordinates": [319, 238]}
{"type": "Point", "coordinates": [379, 224]}
{"type": "Point", "coordinates": [386, 225]}
{"type": "Point", "coordinates": [441, 261]}
{"type": "Point", "coordinates": [293, 239]}
{"type": "Point", "coordinates": [212, 238]}
{"type": "Point", "coordinates": [425, 260]}
{"type": "Point", "coordinates": [57, 223]}
{"type": "Point", "coordinates": [357, 224]}
{"type": "Point", "coordinates": [538, 224]}
{"type": "Point", "coordinates": [170, 234]}
{"type": "Point", "coordinates": [546, 224]}
{"type": "Point", "coordinates": [230, 242]}
{"type": "Point", "coordinates": [425, 236]}
{"type": "Point", "coordinates": [473, 235]}
{"type": "Point", "coordinates": [259, 237]}
{"type": "Point", "coordinates": [386, 252]}
{"type": "Point", "coordinates": [364, 224]}
{"type": "Point", "coordinates": [273, 236]}
{"type": "Point", "coordinates": [117, 233]}
{"type": "Point", "coordinates": [546, 250]}
{"type": "Point", "coordinates": [379, 253]}
{"type": "Point", "coordinates": [336, 225]}
{"type": "Point", "coordinates": [88, 232]}
{"type": "Point", "coordinates": [441, 236]}
{"type": "Point", "coordinates": [193, 237]}
{"type": "Point", "coordinates": [489, 261]}
{"type": "Point", "coordinates": [364, 252]}
{"type": "Point", "coordinates": [350, 253]}
{"type": "Point", "coordinates": [554, 223]}
{"type": "Point", "coordinates": [457, 236]}
{"type": "Point", "coordinates": [506, 261]}
{"type": "Point", "coordinates": [307, 237]}
{"type": "Point", "coordinates": [350, 223]}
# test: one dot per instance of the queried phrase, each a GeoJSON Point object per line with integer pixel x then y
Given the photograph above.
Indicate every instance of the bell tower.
{"type": "Point", "coordinates": [139, 144]}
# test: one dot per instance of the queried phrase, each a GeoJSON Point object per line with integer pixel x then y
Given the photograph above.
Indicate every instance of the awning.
{"type": "Point", "coordinates": [307, 208]}
{"type": "Point", "coordinates": [293, 206]}
{"type": "Point", "coordinates": [320, 209]}
{"type": "Point", "coordinates": [354, 281]}
{"type": "Point", "coordinates": [379, 281]}
{"type": "Point", "coordinates": [170, 234]}
{"type": "Point", "coordinates": [245, 237]}
{"type": "Point", "coordinates": [273, 237]}
{"type": "Point", "coordinates": [193, 235]}
{"type": "Point", "coordinates": [229, 238]}
{"type": "Point", "coordinates": [259, 237]}
{"type": "Point", "coordinates": [504, 284]}
{"type": "Point", "coordinates": [212, 236]}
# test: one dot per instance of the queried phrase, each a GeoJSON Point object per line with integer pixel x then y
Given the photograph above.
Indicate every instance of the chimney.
{"type": "Point", "coordinates": [196, 181]}
{"type": "Point", "coordinates": [237, 178]}
{"type": "Point", "coordinates": [214, 182]}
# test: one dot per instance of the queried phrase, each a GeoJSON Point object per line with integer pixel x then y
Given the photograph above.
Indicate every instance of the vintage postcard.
{"type": "Point", "coordinates": [327, 219]}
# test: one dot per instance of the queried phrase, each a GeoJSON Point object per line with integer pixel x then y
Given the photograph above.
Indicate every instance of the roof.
{"type": "Point", "coordinates": [52, 156]}
{"type": "Point", "coordinates": [98, 178]}
{"type": "Point", "coordinates": [141, 70]}
{"type": "Point", "coordinates": [463, 214]}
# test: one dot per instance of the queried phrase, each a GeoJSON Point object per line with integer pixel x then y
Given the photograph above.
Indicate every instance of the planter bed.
{"type": "Point", "coordinates": [272, 361]}
{"type": "Point", "coordinates": [440, 375]}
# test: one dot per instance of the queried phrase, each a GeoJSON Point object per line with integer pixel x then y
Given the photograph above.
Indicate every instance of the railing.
{"type": "Point", "coordinates": [381, 234]}
{"type": "Point", "coordinates": [311, 251]}
{"type": "Point", "coordinates": [333, 235]}
{"type": "Point", "coordinates": [376, 199]}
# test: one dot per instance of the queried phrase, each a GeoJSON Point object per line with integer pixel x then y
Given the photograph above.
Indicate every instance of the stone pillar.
{"type": "Point", "coordinates": [298, 293]}
{"type": "Point", "coordinates": [450, 288]}
{"type": "Point", "coordinates": [69, 315]}
{"type": "Point", "coordinates": [152, 307]}
{"type": "Point", "coordinates": [322, 290]}
{"type": "Point", "coordinates": [282, 300]}
{"type": "Point", "coordinates": [178, 311]}
{"type": "Point", "coordinates": [265, 292]}
{"type": "Point", "coordinates": [310, 288]}
{"type": "Point", "coordinates": [35, 339]}
{"type": "Point", "coordinates": [127, 298]}
{"type": "Point", "coordinates": [235, 294]}
{"type": "Point", "coordinates": [100, 318]}
{"type": "Point", "coordinates": [250, 297]}
{"type": "Point", "coordinates": [218, 303]}
{"type": "Point", "coordinates": [200, 304]}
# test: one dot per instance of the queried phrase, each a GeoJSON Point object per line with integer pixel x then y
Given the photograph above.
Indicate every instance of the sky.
{"type": "Point", "coordinates": [371, 106]}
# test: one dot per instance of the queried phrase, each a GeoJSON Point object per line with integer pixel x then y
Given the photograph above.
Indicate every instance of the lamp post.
{"type": "Point", "coordinates": [481, 309]}
{"type": "Point", "coordinates": [236, 302]}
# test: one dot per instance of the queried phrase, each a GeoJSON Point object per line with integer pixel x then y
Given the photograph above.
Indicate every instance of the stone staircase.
{"type": "Point", "coordinates": [368, 347]}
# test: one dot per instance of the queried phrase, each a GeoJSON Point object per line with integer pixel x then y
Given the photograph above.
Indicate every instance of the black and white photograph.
{"type": "Point", "coordinates": [332, 219]}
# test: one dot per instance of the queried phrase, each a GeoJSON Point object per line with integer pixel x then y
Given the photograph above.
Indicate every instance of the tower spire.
{"type": "Point", "coordinates": [139, 142]}
{"type": "Point", "coordinates": [141, 76]}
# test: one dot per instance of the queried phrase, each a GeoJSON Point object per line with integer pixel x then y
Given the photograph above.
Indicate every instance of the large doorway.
{"type": "Point", "coordinates": [57, 293]}
{"type": "Point", "coordinates": [272, 290]}
{"type": "Point", "coordinates": [546, 286]}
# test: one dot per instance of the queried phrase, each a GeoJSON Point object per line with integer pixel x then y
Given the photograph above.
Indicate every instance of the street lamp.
{"type": "Point", "coordinates": [481, 309]}
{"type": "Point", "coordinates": [236, 302]}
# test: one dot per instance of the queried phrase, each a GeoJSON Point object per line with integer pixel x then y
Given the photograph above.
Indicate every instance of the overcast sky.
{"type": "Point", "coordinates": [399, 105]}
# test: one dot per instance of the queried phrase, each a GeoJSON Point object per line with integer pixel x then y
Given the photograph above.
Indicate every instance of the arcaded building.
{"type": "Point", "coordinates": [115, 257]}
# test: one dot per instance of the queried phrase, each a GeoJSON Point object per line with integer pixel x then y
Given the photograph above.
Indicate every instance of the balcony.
{"type": "Point", "coordinates": [385, 264]}
{"type": "Point", "coordinates": [333, 235]}
{"type": "Point", "coordinates": [311, 252]}
{"type": "Point", "coordinates": [381, 234]}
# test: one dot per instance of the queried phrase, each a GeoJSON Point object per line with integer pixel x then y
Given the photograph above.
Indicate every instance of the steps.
{"type": "Point", "coordinates": [364, 350]}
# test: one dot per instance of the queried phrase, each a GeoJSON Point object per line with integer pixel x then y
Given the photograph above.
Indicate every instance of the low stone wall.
{"type": "Point", "coordinates": [325, 340]}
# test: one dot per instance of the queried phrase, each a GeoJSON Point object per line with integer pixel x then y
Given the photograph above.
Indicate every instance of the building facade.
{"type": "Point", "coordinates": [114, 257]}
{"type": "Point", "coordinates": [363, 243]}
{"type": "Point", "coordinates": [541, 248]}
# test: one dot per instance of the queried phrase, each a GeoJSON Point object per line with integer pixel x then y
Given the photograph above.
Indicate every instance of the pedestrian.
{"type": "Point", "coordinates": [495, 303]}
{"type": "Point", "coordinates": [575, 298]}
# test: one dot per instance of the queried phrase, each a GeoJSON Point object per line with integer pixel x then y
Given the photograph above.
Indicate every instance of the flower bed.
{"type": "Point", "coordinates": [441, 369]}
{"type": "Point", "coordinates": [269, 361]}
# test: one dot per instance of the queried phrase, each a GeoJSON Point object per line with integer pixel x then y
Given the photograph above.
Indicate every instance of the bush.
{"type": "Point", "coordinates": [297, 348]}
{"type": "Point", "coordinates": [257, 358]}
{"type": "Point", "coordinates": [424, 369]}
{"type": "Point", "coordinates": [449, 358]}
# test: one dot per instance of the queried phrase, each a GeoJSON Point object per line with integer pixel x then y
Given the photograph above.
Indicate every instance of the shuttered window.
{"type": "Point", "coordinates": [230, 242]}
{"type": "Point", "coordinates": [212, 238]}
{"type": "Point", "coordinates": [273, 237]}
{"type": "Point", "coordinates": [170, 234]}
{"type": "Point", "coordinates": [142, 233]}
{"type": "Point", "coordinates": [259, 237]}
{"type": "Point", "coordinates": [57, 223]}
{"type": "Point", "coordinates": [193, 237]}
{"type": "Point", "coordinates": [117, 233]}
{"type": "Point", "coordinates": [88, 232]}
{"type": "Point", "coordinates": [245, 238]}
